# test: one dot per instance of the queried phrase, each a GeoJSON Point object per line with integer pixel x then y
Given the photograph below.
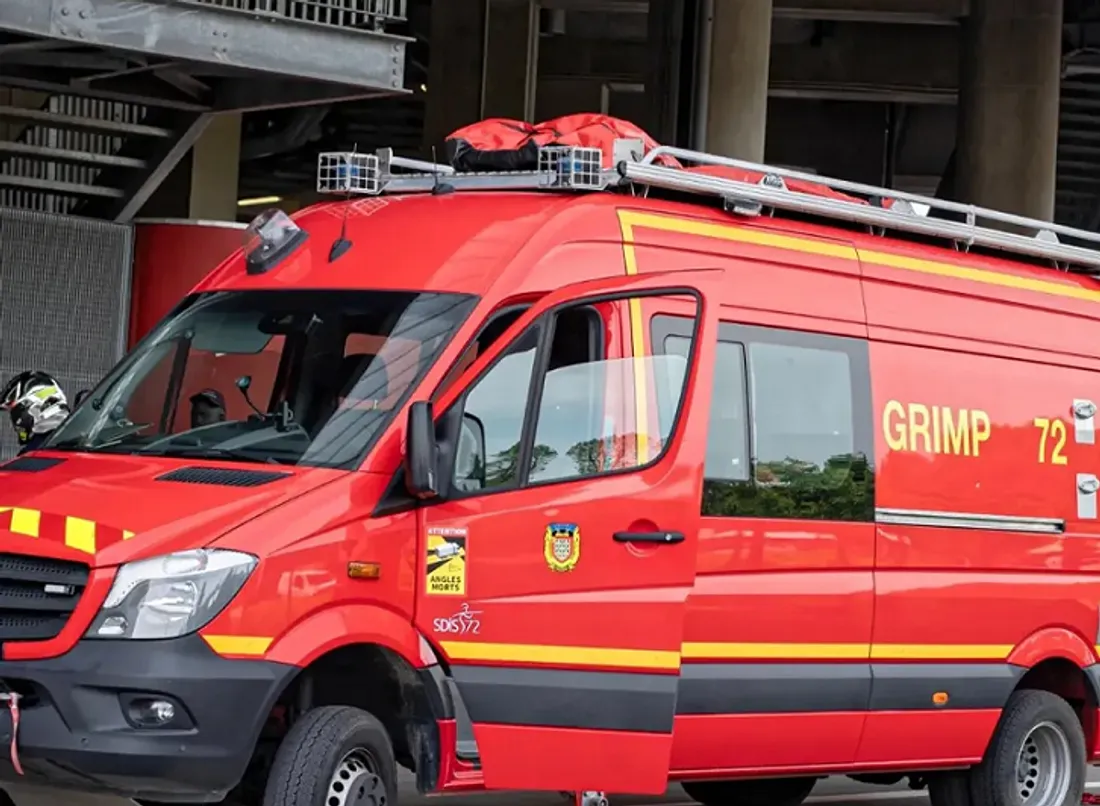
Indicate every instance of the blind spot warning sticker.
{"type": "Point", "coordinates": [445, 569]}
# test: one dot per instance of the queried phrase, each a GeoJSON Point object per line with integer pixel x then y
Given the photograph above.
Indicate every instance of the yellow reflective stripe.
{"type": "Point", "coordinates": [25, 521]}
{"type": "Point", "coordinates": [474, 651]}
{"type": "Point", "coordinates": [731, 232]}
{"type": "Point", "coordinates": [45, 393]}
{"type": "Point", "coordinates": [253, 645]}
{"type": "Point", "coordinates": [80, 534]}
{"type": "Point", "coordinates": [637, 345]}
{"type": "Point", "coordinates": [754, 651]}
{"type": "Point", "coordinates": [941, 651]}
{"type": "Point", "coordinates": [630, 219]}
{"type": "Point", "coordinates": [567, 655]}
{"type": "Point", "coordinates": [844, 651]}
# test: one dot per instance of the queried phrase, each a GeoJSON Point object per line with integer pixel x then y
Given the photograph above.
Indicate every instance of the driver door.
{"type": "Point", "coordinates": [556, 563]}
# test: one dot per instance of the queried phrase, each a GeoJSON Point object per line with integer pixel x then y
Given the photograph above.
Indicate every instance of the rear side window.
{"type": "Point", "coordinates": [790, 424]}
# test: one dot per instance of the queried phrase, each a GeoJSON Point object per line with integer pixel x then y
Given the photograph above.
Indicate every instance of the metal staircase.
{"type": "Point", "coordinates": [85, 155]}
{"type": "Point", "coordinates": [116, 107]}
{"type": "Point", "coordinates": [1077, 202]}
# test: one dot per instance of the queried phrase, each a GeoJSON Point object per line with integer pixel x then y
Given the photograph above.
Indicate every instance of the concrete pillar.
{"type": "Point", "coordinates": [737, 97]}
{"type": "Point", "coordinates": [215, 167]}
{"type": "Point", "coordinates": [665, 23]}
{"type": "Point", "coordinates": [510, 71]}
{"type": "Point", "coordinates": [1008, 106]}
{"type": "Point", "coordinates": [454, 70]}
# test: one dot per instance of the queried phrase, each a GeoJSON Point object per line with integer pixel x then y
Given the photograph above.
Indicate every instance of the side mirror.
{"type": "Point", "coordinates": [420, 451]}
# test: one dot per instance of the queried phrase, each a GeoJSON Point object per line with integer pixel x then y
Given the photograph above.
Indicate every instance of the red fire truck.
{"type": "Point", "coordinates": [590, 477]}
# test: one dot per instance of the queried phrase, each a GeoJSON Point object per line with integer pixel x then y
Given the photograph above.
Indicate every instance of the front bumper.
{"type": "Point", "coordinates": [75, 733]}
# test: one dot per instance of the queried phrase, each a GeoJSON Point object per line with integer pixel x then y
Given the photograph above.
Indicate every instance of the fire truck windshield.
{"type": "Point", "coordinates": [287, 377]}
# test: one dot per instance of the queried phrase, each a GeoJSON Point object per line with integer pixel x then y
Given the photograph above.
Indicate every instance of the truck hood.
{"type": "Point", "coordinates": [107, 509]}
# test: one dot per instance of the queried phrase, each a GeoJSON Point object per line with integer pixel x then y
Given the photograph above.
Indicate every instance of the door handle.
{"type": "Point", "coordinates": [648, 537]}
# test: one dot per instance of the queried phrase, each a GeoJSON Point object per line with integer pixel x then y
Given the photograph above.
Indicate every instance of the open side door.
{"type": "Point", "coordinates": [557, 559]}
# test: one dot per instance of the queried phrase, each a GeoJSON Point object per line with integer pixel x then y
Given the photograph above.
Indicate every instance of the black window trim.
{"type": "Point", "coordinates": [857, 349]}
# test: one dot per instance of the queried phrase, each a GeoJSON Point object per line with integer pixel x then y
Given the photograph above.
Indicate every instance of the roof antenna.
{"type": "Point", "coordinates": [439, 188]}
{"type": "Point", "coordinates": [342, 244]}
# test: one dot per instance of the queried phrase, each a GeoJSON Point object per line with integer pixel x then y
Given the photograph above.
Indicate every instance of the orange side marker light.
{"type": "Point", "coordinates": [940, 698]}
{"type": "Point", "coordinates": [357, 570]}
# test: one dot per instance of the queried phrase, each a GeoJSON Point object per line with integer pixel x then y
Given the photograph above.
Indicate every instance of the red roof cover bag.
{"type": "Point", "coordinates": [501, 144]}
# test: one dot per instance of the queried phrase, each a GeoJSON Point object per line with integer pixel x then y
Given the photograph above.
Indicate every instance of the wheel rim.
{"type": "Point", "coordinates": [356, 782]}
{"type": "Point", "coordinates": [1044, 767]}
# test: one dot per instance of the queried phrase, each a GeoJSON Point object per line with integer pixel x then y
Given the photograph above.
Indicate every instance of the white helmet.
{"type": "Point", "coordinates": [36, 404]}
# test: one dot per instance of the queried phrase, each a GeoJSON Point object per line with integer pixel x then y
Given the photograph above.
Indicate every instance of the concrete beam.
{"type": "Point", "coordinates": [854, 61]}
{"type": "Point", "coordinates": [876, 60]}
{"type": "Point", "coordinates": [913, 12]}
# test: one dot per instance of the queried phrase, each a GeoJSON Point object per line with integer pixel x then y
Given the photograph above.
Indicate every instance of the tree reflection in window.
{"type": "Point", "coordinates": [810, 427]}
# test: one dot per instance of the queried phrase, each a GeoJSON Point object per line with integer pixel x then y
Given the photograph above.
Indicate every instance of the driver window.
{"type": "Point", "coordinates": [588, 411]}
{"type": "Point", "coordinates": [496, 404]}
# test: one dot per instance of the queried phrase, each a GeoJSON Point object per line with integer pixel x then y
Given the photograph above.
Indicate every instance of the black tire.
{"type": "Point", "coordinates": [307, 760]}
{"type": "Point", "coordinates": [762, 792]}
{"type": "Point", "coordinates": [950, 788]}
{"type": "Point", "coordinates": [995, 780]}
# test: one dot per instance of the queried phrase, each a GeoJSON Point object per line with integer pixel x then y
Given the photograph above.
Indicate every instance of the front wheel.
{"type": "Point", "coordinates": [334, 756]}
{"type": "Point", "coordinates": [764, 792]}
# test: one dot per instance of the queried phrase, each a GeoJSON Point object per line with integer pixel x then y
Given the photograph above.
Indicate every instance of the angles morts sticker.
{"type": "Point", "coordinates": [446, 561]}
{"type": "Point", "coordinates": [562, 546]}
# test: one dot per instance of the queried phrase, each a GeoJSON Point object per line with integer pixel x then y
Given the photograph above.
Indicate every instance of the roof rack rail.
{"type": "Point", "coordinates": [581, 169]}
{"type": "Point", "coordinates": [970, 232]}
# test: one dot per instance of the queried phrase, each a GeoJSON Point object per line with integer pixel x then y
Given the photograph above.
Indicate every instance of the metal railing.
{"type": "Point", "coordinates": [357, 14]}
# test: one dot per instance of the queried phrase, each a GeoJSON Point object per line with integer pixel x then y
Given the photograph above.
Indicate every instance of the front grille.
{"type": "Point", "coordinates": [37, 596]}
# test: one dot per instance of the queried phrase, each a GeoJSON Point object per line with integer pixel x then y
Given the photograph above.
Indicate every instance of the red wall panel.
{"type": "Point", "coordinates": [170, 258]}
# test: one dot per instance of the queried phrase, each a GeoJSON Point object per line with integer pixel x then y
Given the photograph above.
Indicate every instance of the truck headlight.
{"type": "Point", "coordinates": [170, 596]}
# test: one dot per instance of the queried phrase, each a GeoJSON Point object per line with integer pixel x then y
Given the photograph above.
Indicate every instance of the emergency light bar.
{"type": "Point", "coordinates": [559, 168]}
{"type": "Point", "coordinates": [581, 169]}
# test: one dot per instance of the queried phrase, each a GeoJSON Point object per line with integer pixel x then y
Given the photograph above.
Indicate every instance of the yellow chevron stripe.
{"type": "Point", "coordinates": [80, 534]}
{"type": "Point", "coordinates": [25, 521]}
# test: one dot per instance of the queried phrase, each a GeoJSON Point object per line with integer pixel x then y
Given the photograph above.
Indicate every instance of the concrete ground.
{"type": "Point", "coordinates": [830, 792]}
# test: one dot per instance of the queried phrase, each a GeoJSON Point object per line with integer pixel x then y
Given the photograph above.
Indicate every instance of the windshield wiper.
{"type": "Point", "coordinates": [211, 453]}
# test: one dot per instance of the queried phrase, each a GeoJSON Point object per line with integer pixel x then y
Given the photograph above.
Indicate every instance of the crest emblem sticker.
{"type": "Point", "coordinates": [562, 546]}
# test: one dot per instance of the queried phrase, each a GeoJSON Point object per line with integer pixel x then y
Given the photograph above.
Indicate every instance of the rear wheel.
{"type": "Point", "coordinates": [764, 792]}
{"type": "Point", "coordinates": [1037, 756]}
{"type": "Point", "coordinates": [334, 756]}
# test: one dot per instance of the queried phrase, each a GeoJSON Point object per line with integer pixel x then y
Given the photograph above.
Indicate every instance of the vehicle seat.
{"type": "Point", "coordinates": [351, 370]}
{"type": "Point", "coordinates": [347, 375]}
